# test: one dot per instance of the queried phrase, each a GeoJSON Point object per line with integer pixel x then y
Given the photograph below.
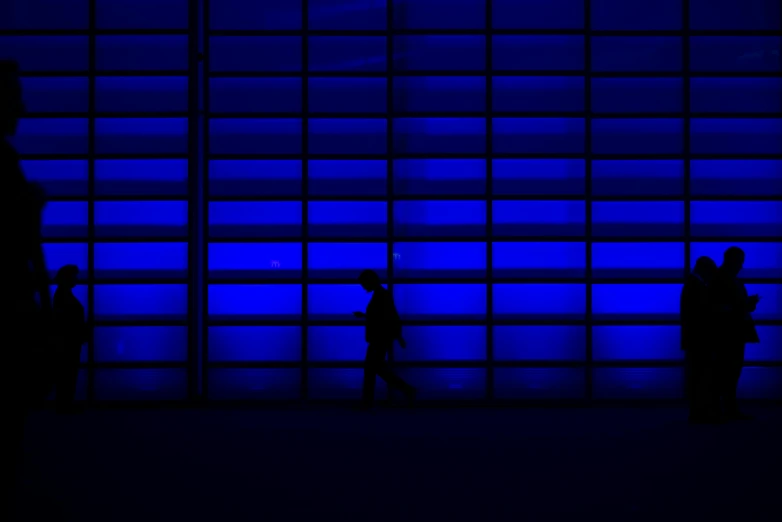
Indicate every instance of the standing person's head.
{"type": "Point", "coordinates": [705, 267]}
{"type": "Point", "coordinates": [67, 276]}
{"type": "Point", "coordinates": [733, 260]}
{"type": "Point", "coordinates": [11, 104]}
{"type": "Point", "coordinates": [369, 280]}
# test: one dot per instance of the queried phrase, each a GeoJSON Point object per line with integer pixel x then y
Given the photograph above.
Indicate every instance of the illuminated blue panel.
{"type": "Point", "coordinates": [254, 343]}
{"type": "Point", "coordinates": [636, 301]}
{"type": "Point", "coordinates": [538, 94]}
{"type": "Point", "coordinates": [347, 95]}
{"type": "Point", "coordinates": [336, 383]}
{"type": "Point", "coordinates": [56, 94]}
{"type": "Point", "coordinates": [251, 14]}
{"type": "Point", "coordinates": [439, 135]}
{"type": "Point", "coordinates": [255, 219]}
{"type": "Point", "coordinates": [141, 260]}
{"type": "Point", "coordinates": [538, 53]}
{"type": "Point", "coordinates": [352, 177]}
{"type": "Point", "coordinates": [347, 14]}
{"type": "Point", "coordinates": [446, 383]}
{"type": "Point", "coordinates": [736, 218]}
{"type": "Point", "coordinates": [51, 136]}
{"type": "Point", "coordinates": [636, 343]}
{"type": "Point", "coordinates": [440, 94]}
{"type": "Point", "coordinates": [336, 301]}
{"type": "Point", "coordinates": [439, 53]}
{"type": "Point", "coordinates": [254, 383]}
{"type": "Point", "coordinates": [347, 136]}
{"type": "Point", "coordinates": [141, 218]}
{"type": "Point", "coordinates": [135, 94]}
{"type": "Point", "coordinates": [58, 177]}
{"type": "Point", "coordinates": [736, 136]}
{"type": "Point", "coordinates": [735, 14]}
{"type": "Point", "coordinates": [760, 383]}
{"type": "Point", "coordinates": [539, 218]}
{"type": "Point", "coordinates": [538, 135]}
{"type": "Point", "coordinates": [269, 53]}
{"type": "Point", "coordinates": [534, 14]}
{"type": "Point", "coordinates": [439, 260]}
{"type": "Point", "coordinates": [735, 53]}
{"type": "Point", "coordinates": [439, 218]}
{"type": "Point", "coordinates": [640, 15]}
{"type": "Point", "coordinates": [770, 306]}
{"type": "Point", "coordinates": [255, 177]}
{"type": "Point", "coordinates": [143, 53]}
{"type": "Point", "coordinates": [636, 53]}
{"type": "Point", "coordinates": [140, 343]}
{"type": "Point", "coordinates": [539, 301]}
{"type": "Point", "coordinates": [64, 219]}
{"type": "Point", "coordinates": [539, 343]}
{"type": "Point", "coordinates": [347, 53]}
{"type": "Point", "coordinates": [637, 95]}
{"type": "Point", "coordinates": [762, 259]}
{"type": "Point", "coordinates": [439, 14]}
{"type": "Point", "coordinates": [440, 302]}
{"type": "Point", "coordinates": [249, 95]}
{"type": "Point", "coordinates": [637, 177]}
{"type": "Point", "coordinates": [539, 383]}
{"type": "Point", "coordinates": [137, 302]}
{"type": "Point", "coordinates": [736, 177]}
{"type": "Point", "coordinates": [142, 14]}
{"type": "Point", "coordinates": [254, 260]}
{"type": "Point", "coordinates": [337, 343]}
{"type": "Point", "coordinates": [266, 302]}
{"type": "Point", "coordinates": [637, 136]}
{"type": "Point", "coordinates": [642, 260]}
{"type": "Point", "coordinates": [46, 53]}
{"type": "Point", "coordinates": [439, 176]}
{"type": "Point", "coordinates": [443, 343]}
{"type": "Point", "coordinates": [346, 260]}
{"type": "Point", "coordinates": [539, 259]}
{"type": "Point", "coordinates": [638, 218]}
{"type": "Point", "coordinates": [770, 346]}
{"type": "Point", "coordinates": [141, 177]}
{"type": "Point", "coordinates": [637, 383]}
{"type": "Point", "coordinates": [141, 135]}
{"type": "Point", "coordinates": [44, 14]}
{"type": "Point", "coordinates": [736, 95]}
{"type": "Point", "coordinates": [254, 136]}
{"type": "Point", "coordinates": [61, 254]}
{"type": "Point", "coordinates": [153, 384]}
{"type": "Point", "coordinates": [536, 176]}
{"type": "Point", "coordinates": [347, 218]}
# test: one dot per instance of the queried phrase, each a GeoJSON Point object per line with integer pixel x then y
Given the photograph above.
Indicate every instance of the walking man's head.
{"type": "Point", "coordinates": [705, 267]}
{"type": "Point", "coordinates": [67, 276]}
{"type": "Point", "coordinates": [369, 280]}
{"type": "Point", "coordinates": [11, 104]}
{"type": "Point", "coordinates": [733, 260]}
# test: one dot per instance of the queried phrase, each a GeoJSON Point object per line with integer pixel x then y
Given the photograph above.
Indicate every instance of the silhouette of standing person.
{"type": "Point", "coordinates": [697, 328]}
{"type": "Point", "coordinates": [71, 333]}
{"type": "Point", "coordinates": [735, 328]}
{"type": "Point", "coordinates": [27, 303]}
{"type": "Point", "coordinates": [383, 327]}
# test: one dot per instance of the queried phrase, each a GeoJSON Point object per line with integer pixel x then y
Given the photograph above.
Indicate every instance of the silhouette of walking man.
{"type": "Point", "coordinates": [735, 328]}
{"type": "Point", "coordinates": [698, 342]}
{"type": "Point", "coordinates": [383, 327]}
{"type": "Point", "coordinates": [71, 332]}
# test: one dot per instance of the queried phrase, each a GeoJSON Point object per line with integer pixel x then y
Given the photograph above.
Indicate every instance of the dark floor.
{"type": "Point", "coordinates": [474, 464]}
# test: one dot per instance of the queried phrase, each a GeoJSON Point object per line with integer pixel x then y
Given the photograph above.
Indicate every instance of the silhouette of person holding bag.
{"type": "Point", "coordinates": [71, 333]}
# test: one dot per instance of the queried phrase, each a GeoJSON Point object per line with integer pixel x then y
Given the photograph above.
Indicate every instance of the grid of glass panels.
{"type": "Point", "coordinates": [107, 86]}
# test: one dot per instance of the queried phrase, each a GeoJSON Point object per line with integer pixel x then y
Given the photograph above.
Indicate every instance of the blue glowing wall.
{"type": "Point", "coordinates": [532, 180]}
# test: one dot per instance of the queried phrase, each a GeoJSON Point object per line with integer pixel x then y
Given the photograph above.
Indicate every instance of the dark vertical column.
{"type": "Point", "coordinates": [203, 200]}
{"type": "Point", "coordinates": [91, 206]}
{"type": "Point", "coordinates": [588, 187]}
{"type": "Point", "coordinates": [489, 246]}
{"type": "Point", "coordinates": [686, 136]}
{"type": "Point", "coordinates": [390, 158]}
{"type": "Point", "coordinates": [305, 165]}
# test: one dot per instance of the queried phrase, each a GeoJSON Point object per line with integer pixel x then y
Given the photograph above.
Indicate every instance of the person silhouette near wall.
{"type": "Point", "coordinates": [698, 342]}
{"type": "Point", "coordinates": [70, 330]}
{"type": "Point", "coordinates": [383, 326]}
{"type": "Point", "coordinates": [735, 328]}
